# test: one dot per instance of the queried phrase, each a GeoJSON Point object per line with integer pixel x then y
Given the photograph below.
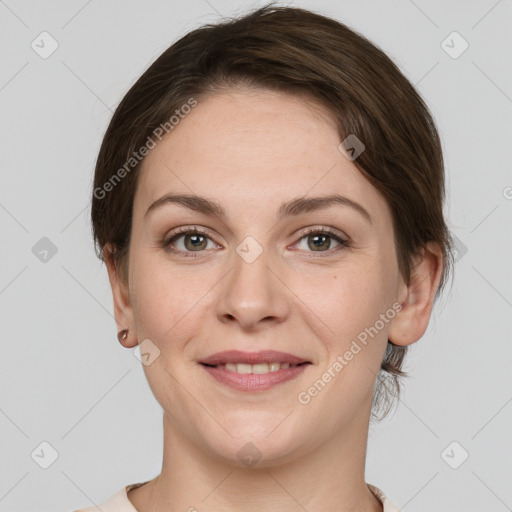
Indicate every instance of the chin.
{"type": "Point", "coordinates": [259, 444]}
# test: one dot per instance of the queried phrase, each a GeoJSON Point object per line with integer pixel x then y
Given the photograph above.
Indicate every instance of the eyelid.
{"type": "Point", "coordinates": [339, 236]}
{"type": "Point", "coordinates": [343, 240]}
{"type": "Point", "coordinates": [179, 232]}
{"type": "Point", "coordinates": [324, 230]}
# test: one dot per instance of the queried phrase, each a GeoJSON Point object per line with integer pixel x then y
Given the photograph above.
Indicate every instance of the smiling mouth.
{"type": "Point", "coordinates": [259, 368]}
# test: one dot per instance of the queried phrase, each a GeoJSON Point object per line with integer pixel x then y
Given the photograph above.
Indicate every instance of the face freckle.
{"type": "Point", "coordinates": [282, 298]}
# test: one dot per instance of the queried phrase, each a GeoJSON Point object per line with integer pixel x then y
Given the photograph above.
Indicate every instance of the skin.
{"type": "Point", "coordinates": [250, 151]}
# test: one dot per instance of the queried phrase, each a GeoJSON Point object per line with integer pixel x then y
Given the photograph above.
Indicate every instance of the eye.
{"type": "Point", "coordinates": [320, 239]}
{"type": "Point", "coordinates": [194, 240]}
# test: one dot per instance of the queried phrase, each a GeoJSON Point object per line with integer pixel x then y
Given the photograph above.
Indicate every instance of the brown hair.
{"type": "Point", "coordinates": [296, 51]}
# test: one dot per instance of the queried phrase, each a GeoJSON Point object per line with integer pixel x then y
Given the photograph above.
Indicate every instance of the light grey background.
{"type": "Point", "coordinates": [64, 378]}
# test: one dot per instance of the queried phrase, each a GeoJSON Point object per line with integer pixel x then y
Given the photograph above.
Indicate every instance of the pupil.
{"type": "Point", "coordinates": [316, 239]}
{"type": "Point", "coordinates": [195, 240]}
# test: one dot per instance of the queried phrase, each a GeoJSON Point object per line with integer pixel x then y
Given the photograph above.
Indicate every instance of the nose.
{"type": "Point", "coordinates": [254, 293]}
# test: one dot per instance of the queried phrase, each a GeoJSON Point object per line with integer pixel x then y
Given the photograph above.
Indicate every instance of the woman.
{"type": "Point", "coordinates": [268, 200]}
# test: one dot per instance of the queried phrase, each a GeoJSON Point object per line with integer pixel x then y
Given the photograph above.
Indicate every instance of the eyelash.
{"type": "Point", "coordinates": [166, 243]}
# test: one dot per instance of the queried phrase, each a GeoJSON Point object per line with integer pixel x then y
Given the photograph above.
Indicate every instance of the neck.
{"type": "Point", "coordinates": [329, 478]}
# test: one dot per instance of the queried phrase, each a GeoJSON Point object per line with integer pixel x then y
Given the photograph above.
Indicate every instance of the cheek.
{"type": "Point", "coordinates": [346, 300]}
{"type": "Point", "coordinates": [167, 309]}
{"type": "Point", "coordinates": [166, 301]}
{"type": "Point", "coordinates": [352, 310]}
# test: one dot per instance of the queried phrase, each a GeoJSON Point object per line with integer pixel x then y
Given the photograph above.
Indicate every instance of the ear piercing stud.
{"type": "Point", "coordinates": [122, 335]}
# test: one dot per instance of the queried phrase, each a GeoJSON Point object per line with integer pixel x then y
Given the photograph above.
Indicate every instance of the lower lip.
{"type": "Point", "coordinates": [254, 381]}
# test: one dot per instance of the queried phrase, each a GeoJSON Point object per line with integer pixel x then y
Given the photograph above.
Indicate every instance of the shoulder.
{"type": "Point", "coordinates": [387, 504]}
{"type": "Point", "coordinates": [118, 502]}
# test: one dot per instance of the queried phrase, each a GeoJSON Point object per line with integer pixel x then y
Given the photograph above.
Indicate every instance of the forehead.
{"type": "Point", "coordinates": [253, 147]}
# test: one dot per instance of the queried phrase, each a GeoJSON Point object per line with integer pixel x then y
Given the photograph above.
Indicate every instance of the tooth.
{"type": "Point", "coordinates": [243, 368]}
{"type": "Point", "coordinates": [260, 368]}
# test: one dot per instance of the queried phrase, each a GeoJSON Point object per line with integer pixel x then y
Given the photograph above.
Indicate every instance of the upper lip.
{"type": "Point", "coordinates": [265, 356]}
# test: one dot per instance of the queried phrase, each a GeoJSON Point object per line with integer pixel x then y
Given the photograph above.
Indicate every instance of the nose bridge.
{"type": "Point", "coordinates": [252, 292]}
{"type": "Point", "coordinates": [250, 281]}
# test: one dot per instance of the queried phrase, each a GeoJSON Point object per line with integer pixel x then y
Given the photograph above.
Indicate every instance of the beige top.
{"type": "Point", "coordinates": [119, 502]}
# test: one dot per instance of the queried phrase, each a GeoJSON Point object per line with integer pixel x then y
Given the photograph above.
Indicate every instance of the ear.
{"type": "Point", "coordinates": [417, 299]}
{"type": "Point", "coordinates": [123, 310]}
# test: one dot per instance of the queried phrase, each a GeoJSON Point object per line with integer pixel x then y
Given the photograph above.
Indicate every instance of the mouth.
{"type": "Point", "coordinates": [268, 358]}
{"type": "Point", "coordinates": [253, 371]}
{"type": "Point", "coordinates": [259, 368]}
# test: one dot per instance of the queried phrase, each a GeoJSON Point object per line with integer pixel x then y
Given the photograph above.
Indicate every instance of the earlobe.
{"type": "Point", "coordinates": [412, 320]}
{"type": "Point", "coordinates": [123, 310]}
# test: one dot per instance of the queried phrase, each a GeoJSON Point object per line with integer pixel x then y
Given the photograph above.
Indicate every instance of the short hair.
{"type": "Point", "coordinates": [295, 51]}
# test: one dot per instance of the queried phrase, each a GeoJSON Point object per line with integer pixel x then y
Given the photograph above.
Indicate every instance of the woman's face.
{"type": "Point", "coordinates": [261, 277]}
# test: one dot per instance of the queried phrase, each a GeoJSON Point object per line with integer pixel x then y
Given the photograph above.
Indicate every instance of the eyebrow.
{"type": "Point", "coordinates": [293, 207]}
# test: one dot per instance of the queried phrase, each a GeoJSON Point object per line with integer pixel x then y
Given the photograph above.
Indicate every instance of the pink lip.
{"type": "Point", "coordinates": [265, 356]}
{"type": "Point", "coordinates": [253, 381]}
